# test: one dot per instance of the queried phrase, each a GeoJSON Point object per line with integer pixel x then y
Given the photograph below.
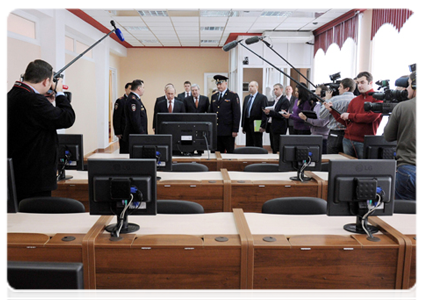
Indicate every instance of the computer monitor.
{"type": "Point", "coordinates": [70, 154]}
{"type": "Point", "coordinates": [44, 280]}
{"type": "Point", "coordinates": [300, 153]}
{"type": "Point", "coordinates": [10, 188]}
{"type": "Point", "coordinates": [361, 188]}
{"type": "Point", "coordinates": [122, 187]}
{"type": "Point", "coordinates": [158, 147]}
{"type": "Point", "coordinates": [376, 147]}
{"type": "Point", "coordinates": [192, 133]}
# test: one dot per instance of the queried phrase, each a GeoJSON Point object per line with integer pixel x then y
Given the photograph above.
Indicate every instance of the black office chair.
{"type": "Point", "coordinates": [189, 167]}
{"type": "Point", "coordinates": [51, 205]}
{"type": "Point", "coordinates": [12, 201]}
{"type": "Point", "coordinates": [295, 206]}
{"type": "Point", "coordinates": [262, 168]}
{"type": "Point", "coordinates": [250, 150]}
{"type": "Point", "coordinates": [405, 207]}
{"type": "Point", "coordinates": [178, 207]}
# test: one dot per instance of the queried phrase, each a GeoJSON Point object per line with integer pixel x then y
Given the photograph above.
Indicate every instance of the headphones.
{"type": "Point", "coordinates": [415, 80]}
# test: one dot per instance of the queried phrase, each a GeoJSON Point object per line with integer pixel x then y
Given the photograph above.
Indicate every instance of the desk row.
{"type": "Point", "coordinates": [222, 251]}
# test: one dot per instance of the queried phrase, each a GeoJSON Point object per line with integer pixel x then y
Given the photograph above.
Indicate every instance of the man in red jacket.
{"type": "Point", "coordinates": [359, 122]}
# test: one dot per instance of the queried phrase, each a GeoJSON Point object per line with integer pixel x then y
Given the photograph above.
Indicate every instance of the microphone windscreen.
{"type": "Point", "coordinates": [119, 34]}
{"type": "Point", "coordinates": [252, 40]}
{"type": "Point", "coordinates": [229, 46]}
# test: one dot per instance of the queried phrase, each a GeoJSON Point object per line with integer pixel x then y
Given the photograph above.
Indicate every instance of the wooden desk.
{"type": "Point", "coordinates": [52, 238]}
{"type": "Point", "coordinates": [237, 162]}
{"type": "Point", "coordinates": [314, 252]}
{"type": "Point", "coordinates": [249, 191]}
{"type": "Point", "coordinates": [405, 225]}
{"type": "Point", "coordinates": [205, 188]}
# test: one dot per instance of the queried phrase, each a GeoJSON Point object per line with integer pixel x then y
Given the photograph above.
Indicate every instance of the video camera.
{"type": "Point", "coordinates": [332, 86]}
{"type": "Point", "coordinates": [390, 97]}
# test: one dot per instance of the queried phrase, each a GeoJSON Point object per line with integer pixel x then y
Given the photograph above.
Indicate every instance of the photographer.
{"type": "Point", "coordinates": [359, 122]}
{"type": "Point", "coordinates": [32, 121]}
{"type": "Point", "coordinates": [401, 127]}
{"type": "Point", "coordinates": [340, 103]}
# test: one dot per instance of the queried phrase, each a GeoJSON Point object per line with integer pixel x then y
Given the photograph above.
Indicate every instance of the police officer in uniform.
{"type": "Point", "coordinates": [135, 112]}
{"type": "Point", "coordinates": [226, 105]}
{"type": "Point", "coordinates": [119, 119]}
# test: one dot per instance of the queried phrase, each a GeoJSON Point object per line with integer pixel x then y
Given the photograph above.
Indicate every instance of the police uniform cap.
{"type": "Point", "coordinates": [220, 78]}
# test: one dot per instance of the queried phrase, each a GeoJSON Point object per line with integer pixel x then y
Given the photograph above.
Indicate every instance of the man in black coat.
{"type": "Point", "coordinates": [168, 105]}
{"type": "Point", "coordinates": [32, 121]}
{"type": "Point", "coordinates": [196, 103]}
{"type": "Point", "coordinates": [252, 112]}
{"type": "Point", "coordinates": [135, 112]}
{"type": "Point", "coordinates": [119, 118]}
{"type": "Point", "coordinates": [279, 124]}
{"type": "Point", "coordinates": [226, 105]}
{"type": "Point", "coordinates": [187, 91]}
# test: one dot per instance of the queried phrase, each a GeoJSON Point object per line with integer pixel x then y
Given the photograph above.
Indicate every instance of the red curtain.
{"type": "Point", "coordinates": [396, 17]}
{"type": "Point", "coordinates": [336, 32]}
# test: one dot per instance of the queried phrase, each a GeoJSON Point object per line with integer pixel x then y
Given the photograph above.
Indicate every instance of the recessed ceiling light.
{"type": "Point", "coordinates": [276, 13]}
{"type": "Point", "coordinates": [152, 13]}
{"type": "Point", "coordinates": [219, 13]}
{"type": "Point", "coordinates": [136, 28]}
{"type": "Point", "coordinates": [212, 28]}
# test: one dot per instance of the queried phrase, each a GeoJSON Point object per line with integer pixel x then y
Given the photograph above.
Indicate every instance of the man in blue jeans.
{"type": "Point", "coordinates": [401, 127]}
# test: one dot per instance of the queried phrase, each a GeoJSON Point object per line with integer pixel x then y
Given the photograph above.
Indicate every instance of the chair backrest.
{"type": "Point", "coordinates": [250, 150]}
{"type": "Point", "coordinates": [295, 206]}
{"type": "Point", "coordinates": [262, 168]}
{"type": "Point", "coordinates": [189, 167]}
{"type": "Point", "coordinates": [178, 207]}
{"type": "Point", "coordinates": [51, 205]}
{"type": "Point", "coordinates": [405, 207]}
{"type": "Point", "coordinates": [12, 201]}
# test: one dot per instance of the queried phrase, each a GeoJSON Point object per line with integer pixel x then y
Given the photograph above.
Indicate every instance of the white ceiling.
{"type": "Point", "coordinates": [206, 28]}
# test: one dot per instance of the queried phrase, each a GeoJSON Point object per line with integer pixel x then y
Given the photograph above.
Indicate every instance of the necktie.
{"type": "Point", "coordinates": [250, 102]}
{"type": "Point", "coordinates": [170, 106]}
{"type": "Point", "coordinates": [196, 102]}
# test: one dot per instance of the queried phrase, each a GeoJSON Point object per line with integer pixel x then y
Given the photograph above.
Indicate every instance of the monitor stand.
{"type": "Point", "coordinates": [62, 176]}
{"type": "Point", "coordinates": [126, 227]}
{"type": "Point", "coordinates": [300, 177]}
{"type": "Point", "coordinates": [357, 227]}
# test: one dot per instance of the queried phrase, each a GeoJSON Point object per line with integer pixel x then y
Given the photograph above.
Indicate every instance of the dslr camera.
{"type": "Point", "coordinates": [390, 97]}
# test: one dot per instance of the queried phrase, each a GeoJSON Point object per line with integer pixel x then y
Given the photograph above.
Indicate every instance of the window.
{"type": "Point", "coordinates": [21, 26]}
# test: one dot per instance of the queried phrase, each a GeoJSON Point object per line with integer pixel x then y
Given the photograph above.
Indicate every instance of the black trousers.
{"type": "Point", "coordinates": [252, 138]}
{"type": "Point", "coordinates": [225, 144]}
{"type": "Point", "coordinates": [335, 138]}
{"type": "Point", "coordinates": [123, 146]}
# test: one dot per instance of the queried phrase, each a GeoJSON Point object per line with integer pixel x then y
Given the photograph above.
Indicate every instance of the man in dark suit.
{"type": "Point", "coordinates": [187, 91]}
{"type": "Point", "coordinates": [135, 112]}
{"type": "Point", "coordinates": [119, 118]}
{"type": "Point", "coordinates": [226, 105]}
{"type": "Point", "coordinates": [168, 105]}
{"type": "Point", "coordinates": [279, 124]}
{"type": "Point", "coordinates": [289, 95]}
{"type": "Point", "coordinates": [252, 112]}
{"type": "Point", "coordinates": [196, 103]}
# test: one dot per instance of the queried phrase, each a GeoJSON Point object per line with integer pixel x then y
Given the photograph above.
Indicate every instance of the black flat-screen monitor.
{"type": "Point", "coordinates": [376, 147]}
{"type": "Point", "coordinates": [300, 153]}
{"type": "Point", "coordinates": [361, 188]}
{"type": "Point", "coordinates": [158, 147]}
{"type": "Point", "coordinates": [44, 280]}
{"type": "Point", "coordinates": [122, 187]}
{"type": "Point", "coordinates": [10, 188]}
{"type": "Point", "coordinates": [192, 133]}
{"type": "Point", "coordinates": [70, 154]}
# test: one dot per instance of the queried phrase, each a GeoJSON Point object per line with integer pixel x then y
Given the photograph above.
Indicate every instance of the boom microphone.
{"type": "Point", "coordinates": [230, 45]}
{"type": "Point", "coordinates": [254, 39]}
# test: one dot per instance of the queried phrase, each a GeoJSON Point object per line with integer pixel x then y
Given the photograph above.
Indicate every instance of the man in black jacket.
{"type": "Point", "coordinates": [135, 112]}
{"type": "Point", "coordinates": [32, 121]}
{"type": "Point", "coordinates": [119, 118]}
{"type": "Point", "coordinates": [279, 124]}
{"type": "Point", "coordinates": [225, 104]}
{"type": "Point", "coordinates": [253, 118]}
{"type": "Point", "coordinates": [196, 103]}
{"type": "Point", "coordinates": [186, 93]}
{"type": "Point", "coordinates": [168, 105]}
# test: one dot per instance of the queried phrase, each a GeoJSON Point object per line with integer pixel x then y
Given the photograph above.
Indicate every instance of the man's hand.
{"type": "Point", "coordinates": [328, 105]}
{"type": "Point", "coordinates": [234, 134]}
{"type": "Point", "coordinates": [345, 116]}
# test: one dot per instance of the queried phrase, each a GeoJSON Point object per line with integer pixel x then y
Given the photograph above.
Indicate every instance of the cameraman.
{"type": "Point", "coordinates": [359, 122]}
{"type": "Point", "coordinates": [340, 103]}
{"type": "Point", "coordinates": [401, 127]}
{"type": "Point", "coordinates": [32, 121]}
